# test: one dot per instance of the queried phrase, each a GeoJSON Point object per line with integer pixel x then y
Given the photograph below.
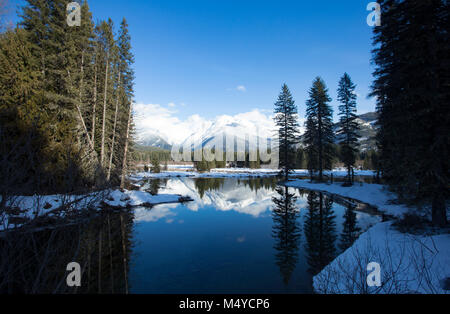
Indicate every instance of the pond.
{"type": "Point", "coordinates": [238, 236]}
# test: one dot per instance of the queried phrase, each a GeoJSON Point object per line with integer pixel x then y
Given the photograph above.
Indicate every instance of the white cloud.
{"type": "Point", "coordinates": [153, 119]}
{"type": "Point", "coordinates": [241, 88]}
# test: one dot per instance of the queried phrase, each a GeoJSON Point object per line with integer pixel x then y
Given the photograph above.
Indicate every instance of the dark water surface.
{"type": "Point", "coordinates": [237, 236]}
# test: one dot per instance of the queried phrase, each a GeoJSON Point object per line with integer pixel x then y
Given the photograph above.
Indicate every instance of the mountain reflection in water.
{"type": "Point", "coordinates": [237, 236]}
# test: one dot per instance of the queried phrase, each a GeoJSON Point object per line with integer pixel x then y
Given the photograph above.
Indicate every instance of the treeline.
{"type": "Point", "coordinates": [65, 101]}
{"type": "Point", "coordinates": [205, 165]}
{"type": "Point", "coordinates": [364, 159]}
{"type": "Point", "coordinates": [144, 155]}
{"type": "Point", "coordinates": [318, 151]}
{"type": "Point", "coordinates": [412, 89]}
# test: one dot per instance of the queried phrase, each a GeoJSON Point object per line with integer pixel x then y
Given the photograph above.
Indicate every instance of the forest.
{"type": "Point", "coordinates": [66, 97]}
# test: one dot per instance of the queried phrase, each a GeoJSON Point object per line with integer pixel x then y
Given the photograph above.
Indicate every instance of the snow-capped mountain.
{"type": "Point", "coordinates": [154, 140]}
{"type": "Point", "coordinates": [165, 131]}
{"type": "Point", "coordinates": [199, 130]}
{"type": "Point", "coordinates": [239, 127]}
{"type": "Point", "coordinates": [367, 130]}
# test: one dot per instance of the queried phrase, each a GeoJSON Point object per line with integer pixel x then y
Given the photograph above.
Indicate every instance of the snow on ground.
{"type": "Point", "coordinates": [213, 174]}
{"type": "Point", "coordinates": [238, 172]}
{"type": "Point", "coordinates": [338, 172]}
{"type": "Point", "coordinates": [408, 264]}
{"type": "Point", "coordinates": [31, 207]}
{"type": "Point", "coordinates": [179, 167]}
{"type": "Point", "coordinates": [373, 194]}
{"type": "Point", "coordinates": [139, 198]}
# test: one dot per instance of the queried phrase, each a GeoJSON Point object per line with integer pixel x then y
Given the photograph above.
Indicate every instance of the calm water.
{"type": "Point", "coordinates": [237, 236]}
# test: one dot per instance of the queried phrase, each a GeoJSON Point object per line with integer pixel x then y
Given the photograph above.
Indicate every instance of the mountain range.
{"type": "Point", "coordinates": [240, 125]}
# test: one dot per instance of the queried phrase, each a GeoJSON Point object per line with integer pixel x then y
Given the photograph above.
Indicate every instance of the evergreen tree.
{"type": "Point", "coordinates": [319, 135]}
{"type": "Point", "coordinates": [411, 87]}
{"type": "Point", "coordinates": [156, 167]}
{"type": "Point", "coordinates": [23, 123]}
{"type": "Point", "coordinates": [286, 119]}
{"type": "Point", "coordinates": [59, 76]}
{"type": "Point", "coordinates": [55, 47]}
{"type": "Point", "coordinates": [108, 53]}
{"type": "Point", "coordinates": [348, 128]}
{"type": "Point", "coordinates": [126, 127]}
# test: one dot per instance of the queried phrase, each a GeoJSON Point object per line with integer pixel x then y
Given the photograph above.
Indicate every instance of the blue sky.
{"type": "Point", "coordinates": [213, 57]}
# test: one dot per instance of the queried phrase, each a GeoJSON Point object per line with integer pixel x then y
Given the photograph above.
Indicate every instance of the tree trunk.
{"type": "Point", "coordinates": [94, 100]}
{"type": "Point", "coordinates": [114, 134]}
{"type": "Point", "coordinates": [102, 150]}
{"type": "Point", "coordinates": [320, 145]}
{"type": "Point", "coordinates": [80, 114]}
{"type": "Point", "coordinates": [286, 166]}
{"type": "Point", "coordinates": [124, 163]}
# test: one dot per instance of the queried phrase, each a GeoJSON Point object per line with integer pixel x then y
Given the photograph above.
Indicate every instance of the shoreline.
{"type": "Point", "coordinates": [402, 256]}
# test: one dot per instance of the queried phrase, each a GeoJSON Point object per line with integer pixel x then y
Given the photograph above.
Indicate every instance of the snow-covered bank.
{"type": "Point", "coordinates": [238, 173]}
{"type": "Point", "coordinates": [140, 198]}
{"type": "Point", "coordinates": [215, 173]}
{"type": "Point", "coordinates": [22, 209]}
{"type": "Point", "coordinates": [409, 264]}
{"type": "Point", "coordinates": [375, 195]}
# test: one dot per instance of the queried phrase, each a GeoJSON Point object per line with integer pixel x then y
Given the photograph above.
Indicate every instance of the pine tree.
{"type": "Point", "coordinates": [55, 47]}
{"type": "Point", "coordinates": [348, 128]}
{"type": "Point", "coordinates": [156, 167]}
{"type": "Point", "coordinates": [126, 127]}
{"type": "Point", "coordinates": [23, 123]}
{"type": "Point", "coordinates": [108, 51]}
{"type": "Point", "coordinates": [319, 135]}
{"type": "Point", "coordinates": [286, 119]}
{"type": "Point", "coordinates": [412, 90]}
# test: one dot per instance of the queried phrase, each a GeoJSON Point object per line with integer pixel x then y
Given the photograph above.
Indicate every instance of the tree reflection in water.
{"type": "Point", "coordinates": [286, 232]}
{"type": "Point", "coordinates": [320, 230]}
{"type": "Point", "coordinates": [208, 184]}
{"type": "Point", "coordinates": [34, 260]}
{"type": "Point", "coordinates": [350, 231]}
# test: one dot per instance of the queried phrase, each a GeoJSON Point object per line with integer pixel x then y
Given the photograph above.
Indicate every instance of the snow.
{"type": "Point", "coordinates": [409, 264]}
{"type": "Point", "coordinates": [238, 173]}
{"type": "Point", "coordinates": [31, 207]}
{"type": "Point", "coordinates": [216, 173]}
{"type": "Point", "coordinates": [139, 198]}
{"type": "Point", "coordinates": [375, 195]}
{"type": "Point", "coordinates": [338, 172]}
